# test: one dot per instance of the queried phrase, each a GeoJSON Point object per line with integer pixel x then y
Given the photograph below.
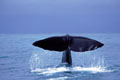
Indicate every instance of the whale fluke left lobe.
{"type": "Point", "coordinates": [52, 43]}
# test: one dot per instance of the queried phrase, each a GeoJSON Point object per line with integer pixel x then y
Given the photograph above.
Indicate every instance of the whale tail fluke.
{"type": "Point", "coordinates": [61, 43]}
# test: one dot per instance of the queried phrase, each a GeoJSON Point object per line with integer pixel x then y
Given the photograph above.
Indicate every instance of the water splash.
{"type": "Point", "coordinates": [41, 59]}
{"type": "Point", "coordinates": [35, 62]}
{"type": "Point", "coordinates": [96, 65]}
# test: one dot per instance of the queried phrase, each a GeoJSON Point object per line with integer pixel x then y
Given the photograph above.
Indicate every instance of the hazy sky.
{"type": "Point", "coordinates": [59, 16]}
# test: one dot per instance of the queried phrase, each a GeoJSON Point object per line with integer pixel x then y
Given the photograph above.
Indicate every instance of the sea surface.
{"type": "Point", "coordinates": [20, 60]}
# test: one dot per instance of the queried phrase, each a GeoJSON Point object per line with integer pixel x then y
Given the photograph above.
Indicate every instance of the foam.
{"type": "Point", "coordinates": [48, 71]}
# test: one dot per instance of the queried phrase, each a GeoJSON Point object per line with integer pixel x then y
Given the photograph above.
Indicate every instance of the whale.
{"type": "Point", "coordinates": [66, 44]}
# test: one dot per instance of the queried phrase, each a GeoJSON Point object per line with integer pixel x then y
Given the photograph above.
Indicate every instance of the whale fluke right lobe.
{"type": "Point", "coordinates": [81, 44]}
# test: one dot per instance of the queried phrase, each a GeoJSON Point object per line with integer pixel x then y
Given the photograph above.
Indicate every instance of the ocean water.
{"type": "Point", "coordinates": [20, 60]}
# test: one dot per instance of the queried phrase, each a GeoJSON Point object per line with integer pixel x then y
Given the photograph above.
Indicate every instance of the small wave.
{"type": "Point", "coordinates": [2, 57]}
{"type": "Point", "coordinates": [60, 78]}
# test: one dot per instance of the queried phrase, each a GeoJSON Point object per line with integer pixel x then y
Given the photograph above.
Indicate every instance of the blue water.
{"type": "Point", "coordinates": [19, 60]}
